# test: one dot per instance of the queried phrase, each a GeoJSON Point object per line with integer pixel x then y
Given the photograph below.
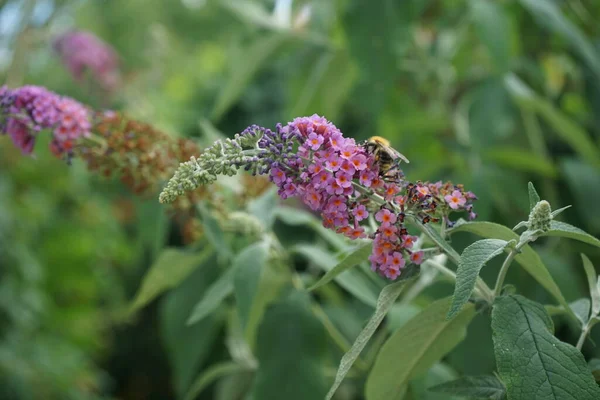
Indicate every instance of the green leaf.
{"type": "Point", "coordinates": [521, 160]}
{"type": "Point", "coordinates": [419, 343]}
{"type": "Point", "coordinates": [291, 351]}
{"type": "Point", "coordinates": [188, 346]}
{"type": "Point", "coordinates": [493, 28]}
{"type": "Point", "coordinates": [474, 387]}
{"type": "Point", "coordinates": [562, 229]}
{"type": "Point", "coordinates": [360, 254]}
{"type": "Point", "coordinates": [210, 375]}
{"type": "Point", "coordinates": [213, 231]}
{"type": "Point", "coordinates": [581, 308]}
{"type": "Point", "coordinates": [559, 210]}
{"type": "Point", "coordinates": [531, 361]}
{"type": "Point", "coordinates": [244, 67]}
{"type": "Point", "coordinates": [548, 14]}
{"type": "Point", "coordinates": [534, 197]}
{"type": "Point", "coordinates": [213, 297]}
{"type": "Point", "coordinates": [528, 258]}
{"type": "Point", "coordinates": [472, 260]}
{"type": "Point", "coordinates": [353, 280]}
{"type": "Point", "coordinates": [170, 268]}
{"type": "Point", "coordinates": [592, 278]}
{"type": "Point", "coordinates": [568, 130]}
{"type": "Point", "coordinates": [400, 314]}
{"type": "Point", "coordinates": [247, 267]}
{"type": "Point", "coordinates": [386, 299]}
{"type": "Point", "coordinates": [263, 207]}
{"type": "Point", "coordinates": [254, 285]}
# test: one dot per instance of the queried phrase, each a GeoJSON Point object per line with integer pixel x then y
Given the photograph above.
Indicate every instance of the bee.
{"type": "Point", "coordinates": [385, 155]}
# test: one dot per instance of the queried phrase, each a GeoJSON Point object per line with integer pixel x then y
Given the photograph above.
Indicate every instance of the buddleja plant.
{"type": "Point", "coordinates": [310, 159]}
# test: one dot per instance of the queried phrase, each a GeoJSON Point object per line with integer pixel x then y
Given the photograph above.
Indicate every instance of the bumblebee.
{"type": "Point", "coordinates": [385, 155]}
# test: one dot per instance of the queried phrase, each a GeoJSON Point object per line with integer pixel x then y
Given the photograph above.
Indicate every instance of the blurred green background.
{"type": "Point", "coordinates": [491, 94]}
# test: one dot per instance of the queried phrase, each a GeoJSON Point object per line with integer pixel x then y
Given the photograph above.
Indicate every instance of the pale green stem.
{"type": "Point", "coordinates": [504, 269]}
{"type": "Point", "coordinates": [584, 333]}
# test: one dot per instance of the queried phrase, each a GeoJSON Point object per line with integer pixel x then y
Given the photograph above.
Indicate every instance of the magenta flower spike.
{"type": "Point", "coordinates": [310, 158]}
{"type": "Point", "coordinates": [82, 51]}
{"type": "Point", "coordinates": [27, 110]}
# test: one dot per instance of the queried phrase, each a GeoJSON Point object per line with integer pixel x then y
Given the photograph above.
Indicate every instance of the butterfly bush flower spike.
{"type": "Point", "coordinates": [82, 51]}
{"type": "Point", "coordinates": [310, 158]}
{"type": "Point", "coordinates": [26, 111]}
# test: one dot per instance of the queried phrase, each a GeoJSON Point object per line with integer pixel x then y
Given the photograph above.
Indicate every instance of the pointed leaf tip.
{"type": "Point", "coordinates": [534, 197]}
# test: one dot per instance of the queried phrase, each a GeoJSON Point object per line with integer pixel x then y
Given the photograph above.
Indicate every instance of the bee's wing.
{"type": "Point", "coordinates": [396, 154]}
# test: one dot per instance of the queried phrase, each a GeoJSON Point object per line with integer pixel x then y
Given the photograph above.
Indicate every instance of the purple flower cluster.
{"type": "Point", "coordinates": [25, 111]}
{"type": "Point", "coordinates": [338, 177]}
{"type": "Point", "coordinates": [81, 51]}
{"type": "Point", "coordinates": [310, 158]}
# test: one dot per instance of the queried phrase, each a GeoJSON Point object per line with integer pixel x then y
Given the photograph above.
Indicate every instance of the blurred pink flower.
{"type": "Point", "coordinates": [25, 111]}
{"type": "Point", "coordinates": [81, 51]}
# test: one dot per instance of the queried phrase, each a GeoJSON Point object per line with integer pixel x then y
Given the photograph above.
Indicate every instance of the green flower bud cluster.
{"type": "Point", "coordinates": [224, 157]}
{"type": "Point", "coordinates": [244, 223]}
{"type": "Point", "coordinates": [540, 217]}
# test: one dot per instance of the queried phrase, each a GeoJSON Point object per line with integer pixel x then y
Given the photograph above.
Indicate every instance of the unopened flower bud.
{"type": "Point", "coordinates": [540, 217]}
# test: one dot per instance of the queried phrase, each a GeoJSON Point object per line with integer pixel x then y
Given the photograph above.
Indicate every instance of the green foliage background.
{"type": "Point", "coordinates": [491, 94]}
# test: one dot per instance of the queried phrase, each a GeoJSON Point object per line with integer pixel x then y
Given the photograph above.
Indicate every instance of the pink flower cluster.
{"type": "Point", "coordinates": [335, 177]}
{"type": "Point", "coordinates": [25, 111]}
{"type": "Point", "coordinates": [450, 197]}
{"type": "Point", "coordinates": [81, 51]}
{"type": "Point", "coordinates": [310, 158]}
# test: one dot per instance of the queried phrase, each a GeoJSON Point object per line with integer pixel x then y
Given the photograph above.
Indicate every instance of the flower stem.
{"type": "Point", "coordinates": [584, 332]}
{"type": "Point", "coordinates": [507, 262]}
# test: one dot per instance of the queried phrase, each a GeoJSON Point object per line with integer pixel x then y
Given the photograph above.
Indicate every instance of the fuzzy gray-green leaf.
{"type": "Point", "coordinates": [386, 299]}
{"type": "Point", "coordinates": [534, 197]}
{"type": "Point", "coordinates": [562, 229]}
{"type": "Point", "coordinates": [581, 308]}
{"type": "Point", "coordinates": [472, 260]}
{"type": "Point", "coordinates": [592, 278]}
{"type": "Point", "coordinates": [528, 258]}
{"type": "Point", "coordinates": [414, 348]}
{"type": "Point", "coordinates": [170, 268]}
{"type": "Point", "coordinates": [533, 364]}
{"type": "Point", "coordinates": [214, 296]}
